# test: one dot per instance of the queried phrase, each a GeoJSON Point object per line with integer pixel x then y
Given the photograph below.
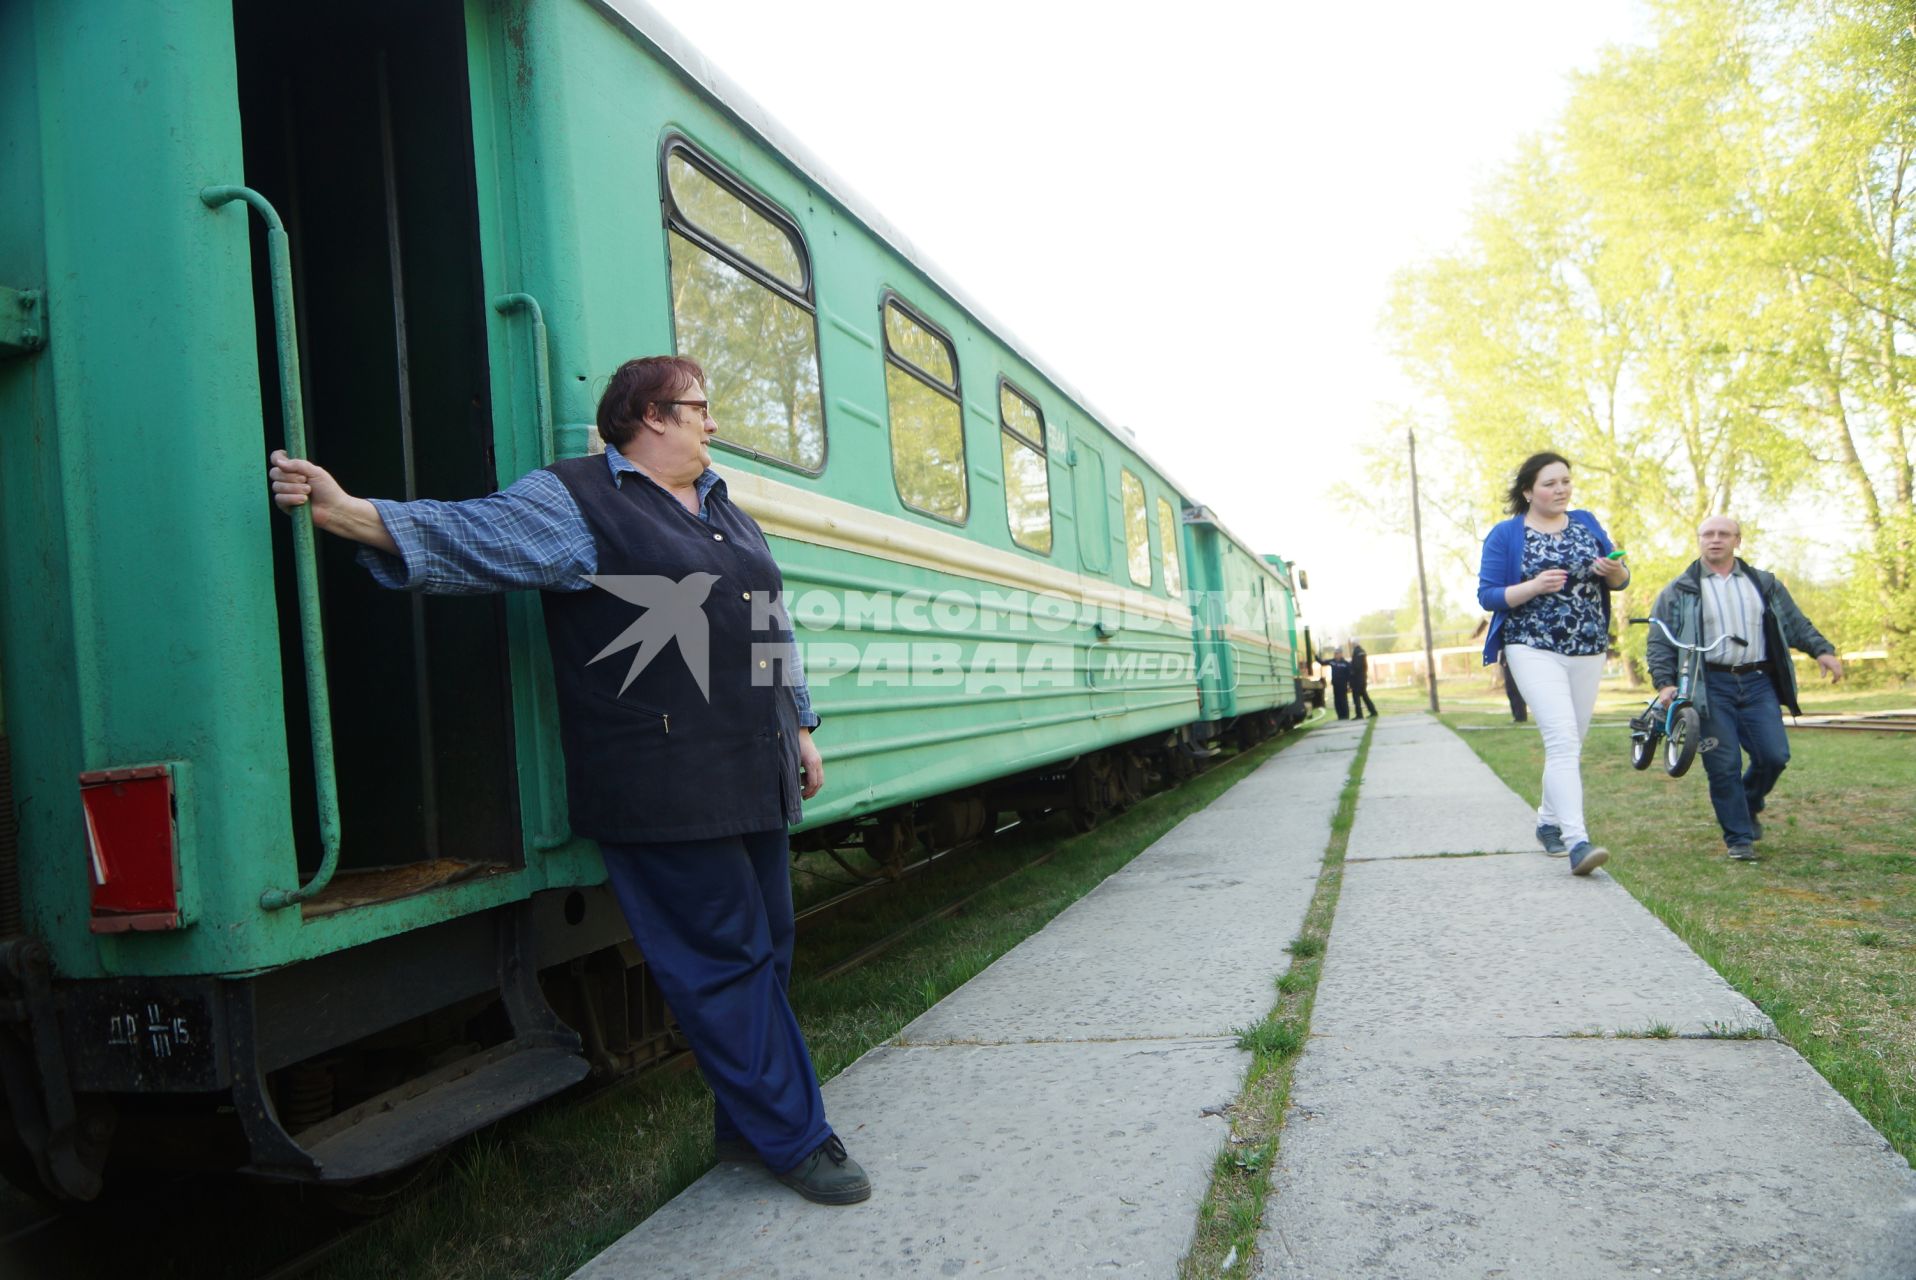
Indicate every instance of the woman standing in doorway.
{"type": "Point", "coordinates": [1546, 578]}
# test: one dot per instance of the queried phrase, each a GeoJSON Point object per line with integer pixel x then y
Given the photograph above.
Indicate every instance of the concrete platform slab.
{"type": "Point", "coordinates": [1139, 956]}
{"type": "Point", "coordinates": [1439, 778]}
{"type": "Point", "coordinates": [1025, 1161]}
{"type": "Point", "coordinates": [1579, 1158]}
{"type": "Point", "coordinates": [1286, 797]}
{"type": "Point", "coordinates": [1253, 825]}
{"type": "Point", "coordinates": [1510, 945]}
{"type": "Point", "coordinates": [1417, 726]}
{"type": "Point", "coordinates": [1325, 741]}
{"type": "Point", "coordinates": [1475, 821]}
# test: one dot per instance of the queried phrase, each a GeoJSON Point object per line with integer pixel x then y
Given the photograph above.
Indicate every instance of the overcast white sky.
{"type": "Point", "coordinates": [1190, 211]}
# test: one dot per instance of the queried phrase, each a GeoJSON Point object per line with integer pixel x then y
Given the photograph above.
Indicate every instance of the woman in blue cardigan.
{"type": "Point", "coordinates": [1546, 578]}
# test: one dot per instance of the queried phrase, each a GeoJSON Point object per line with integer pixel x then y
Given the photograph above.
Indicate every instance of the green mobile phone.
{"type": "Point", "coordinates": [1615, 555]}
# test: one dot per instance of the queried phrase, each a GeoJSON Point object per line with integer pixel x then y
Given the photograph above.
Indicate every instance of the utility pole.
{"type": "Point", "coordinates": [1423, 589]}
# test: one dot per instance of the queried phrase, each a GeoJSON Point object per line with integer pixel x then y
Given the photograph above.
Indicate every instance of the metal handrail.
{"type": "Point", "coordinates": [305, 561]}
{"type": "Point", "coordinates": [506, 304]}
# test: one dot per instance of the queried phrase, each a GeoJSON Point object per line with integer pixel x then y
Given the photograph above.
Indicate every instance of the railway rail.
{"type": "Point", "coordinates": [1862, 721]}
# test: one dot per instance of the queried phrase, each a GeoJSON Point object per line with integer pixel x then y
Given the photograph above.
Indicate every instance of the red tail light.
{"type": "Point", "coordinates": [132, 848]}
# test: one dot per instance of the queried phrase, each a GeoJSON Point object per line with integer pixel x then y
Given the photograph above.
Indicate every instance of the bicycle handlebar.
{"type": "Point", "coordinates": [1700, 648]}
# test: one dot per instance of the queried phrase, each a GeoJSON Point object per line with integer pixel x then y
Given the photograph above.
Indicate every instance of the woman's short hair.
{"type": "Point", "coordinates": [636, 386]}
{"type": "Point", "coordinates": [1526, 477]}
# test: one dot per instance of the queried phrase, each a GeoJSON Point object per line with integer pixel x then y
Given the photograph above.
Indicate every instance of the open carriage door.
{"type": "Point", "coordinates": [356, 119]}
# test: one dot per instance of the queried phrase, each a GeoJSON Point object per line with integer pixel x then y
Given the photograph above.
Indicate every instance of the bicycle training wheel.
{"type": "Point", "coordinates": [1643, 748]}
{"type": "Point", "coordinates": [1680, 750]}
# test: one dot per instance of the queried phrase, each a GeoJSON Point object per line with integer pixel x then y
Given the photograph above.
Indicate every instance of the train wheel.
{"type": "Point", "coordinates": [889, 839]}
{"type": "Point", "coordinates": [1131, 779]}
{"type": "Point", "coordinates": [1091, 792]}
{"type": "Point", "coordinates": [388, 1191]}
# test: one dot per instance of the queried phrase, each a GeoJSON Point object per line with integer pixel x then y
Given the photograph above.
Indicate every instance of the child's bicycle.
{"type": "Point", "coordinates": [1679, 724]}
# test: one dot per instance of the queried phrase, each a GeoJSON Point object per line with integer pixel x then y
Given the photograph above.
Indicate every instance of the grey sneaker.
{"type": "Point", "coordinates": [1586, 857]}
{"type": "Point", "coordinates": [1550, 837]}
{"type": "Point", "coordinates": [829, 1176]}
{"type": "Point", "coordinates": [1742, 853]}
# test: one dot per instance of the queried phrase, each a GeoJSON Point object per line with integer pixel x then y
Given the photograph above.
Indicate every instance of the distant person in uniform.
{"type": "Point", "coordinates": [1360, 681]}
{"type": "Point", "coordinates": [1745, 687]}
{"type": "Point", "coordinates": [1340, 683]}
{"type": "Point", "coordinates": [1546, 578]}
{"type": "Point", "coordinates": [1511, 691]}
{"type": "Point", "coordinates": [692, 819]}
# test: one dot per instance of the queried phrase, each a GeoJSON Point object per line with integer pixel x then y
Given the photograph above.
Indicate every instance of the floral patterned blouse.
{"type": "Point", "coordinates": [1569, 622]}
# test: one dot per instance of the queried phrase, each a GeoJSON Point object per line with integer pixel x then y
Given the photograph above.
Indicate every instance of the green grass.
{"type": "Point", "coordinates": [1821, 933]}
{"type": "Point", "coordinates": [543, 1194]}
{"type": "Point", "coordinates": [1232, 1212]}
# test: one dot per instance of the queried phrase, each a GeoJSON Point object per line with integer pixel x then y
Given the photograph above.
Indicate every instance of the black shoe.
{"type": "Point", "coordinates": [1742, 853]}
{"type": "Point", "coordinates": [724, 1149]}
{"type": "Point", "coordinates": [1756, 829]}
{"type": "Point", "coordinates": [829, 1176]}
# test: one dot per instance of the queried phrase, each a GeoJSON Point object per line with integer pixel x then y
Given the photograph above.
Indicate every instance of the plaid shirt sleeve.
{"type": "Point", "coordinates": [529, 537]}
{"type": "Point", "coordinates": [795, 669]}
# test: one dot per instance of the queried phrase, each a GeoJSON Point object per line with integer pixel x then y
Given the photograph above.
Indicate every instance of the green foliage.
{"type": "Point", "coordinates": [1697, 285]}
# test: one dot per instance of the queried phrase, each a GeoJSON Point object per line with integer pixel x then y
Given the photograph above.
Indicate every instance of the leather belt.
{"type": "Point", "coordinates": [1740, 669]}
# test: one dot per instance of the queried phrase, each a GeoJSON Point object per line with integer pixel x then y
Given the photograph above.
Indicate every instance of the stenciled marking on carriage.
{"type": "Point", "coordinates": [151, 1029]}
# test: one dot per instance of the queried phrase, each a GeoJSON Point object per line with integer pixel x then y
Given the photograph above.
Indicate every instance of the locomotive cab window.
{"type": "Point", "coordinates": [742, 307]}
{"type": "Point", "coordinates": [927, 417]}
{"type": "Point", "coordinates": [1137, 529]}
{"type": "Point", "coordinates": [1168, 544]}
{"type": "Point", "coordinates": [1027, 477]}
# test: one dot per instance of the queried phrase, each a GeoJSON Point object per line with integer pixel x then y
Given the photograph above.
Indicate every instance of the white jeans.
{"type": "Point", "coordinates": [1562, 692]}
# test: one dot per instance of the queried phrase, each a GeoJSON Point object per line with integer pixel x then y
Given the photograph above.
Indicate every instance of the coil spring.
{"type": "Point", "coordinates": [306, 1095]}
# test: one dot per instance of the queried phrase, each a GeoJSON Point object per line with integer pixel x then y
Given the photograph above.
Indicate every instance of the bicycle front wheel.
{"type": "Point", "coordinates": [1680, 750]}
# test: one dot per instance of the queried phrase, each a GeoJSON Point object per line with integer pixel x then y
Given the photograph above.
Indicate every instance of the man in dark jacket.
{"type": "Point", "coordinates": [1745, 685]}
{"type": "Point", "coordinates": [1340, 683]}
{"type": "Point", "coordinates": [1360, 682]}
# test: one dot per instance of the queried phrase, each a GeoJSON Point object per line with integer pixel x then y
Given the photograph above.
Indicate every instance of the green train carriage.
{"type": "Point", "coordinates": [292, 865]}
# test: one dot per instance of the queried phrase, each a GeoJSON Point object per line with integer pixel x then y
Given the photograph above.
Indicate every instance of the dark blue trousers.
{"type": "Point", "coordinates": [1744, 716]}
{"type": "Point", "coordinates": [714, 919]}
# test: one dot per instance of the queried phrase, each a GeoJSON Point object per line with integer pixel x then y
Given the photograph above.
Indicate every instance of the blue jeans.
{"type": "Point", "coordinates": [714, 921]}
{"type": "Point", "coordinates": [1744, 716]}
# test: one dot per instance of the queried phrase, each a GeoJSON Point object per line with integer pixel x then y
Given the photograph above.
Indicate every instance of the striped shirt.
{"type": "Point", "coordinates": [530, 536]}
{"type": "Point", "coordinates": [1732, 606]}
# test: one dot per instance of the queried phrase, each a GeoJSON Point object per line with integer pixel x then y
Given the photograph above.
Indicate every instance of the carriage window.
{"type": "Point", "coordinates": [1027, 479]}
{"type": "Point", "coordinates": [1168, 547]}
{"type": "Point", "coordinates": [742, 307]}
{"type": "Point", "coordinates": [1137, 528]}
{"type": "Point", "coordinates": [927, 418]}
{"type": "Point", "coordinates": [701, 201]}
